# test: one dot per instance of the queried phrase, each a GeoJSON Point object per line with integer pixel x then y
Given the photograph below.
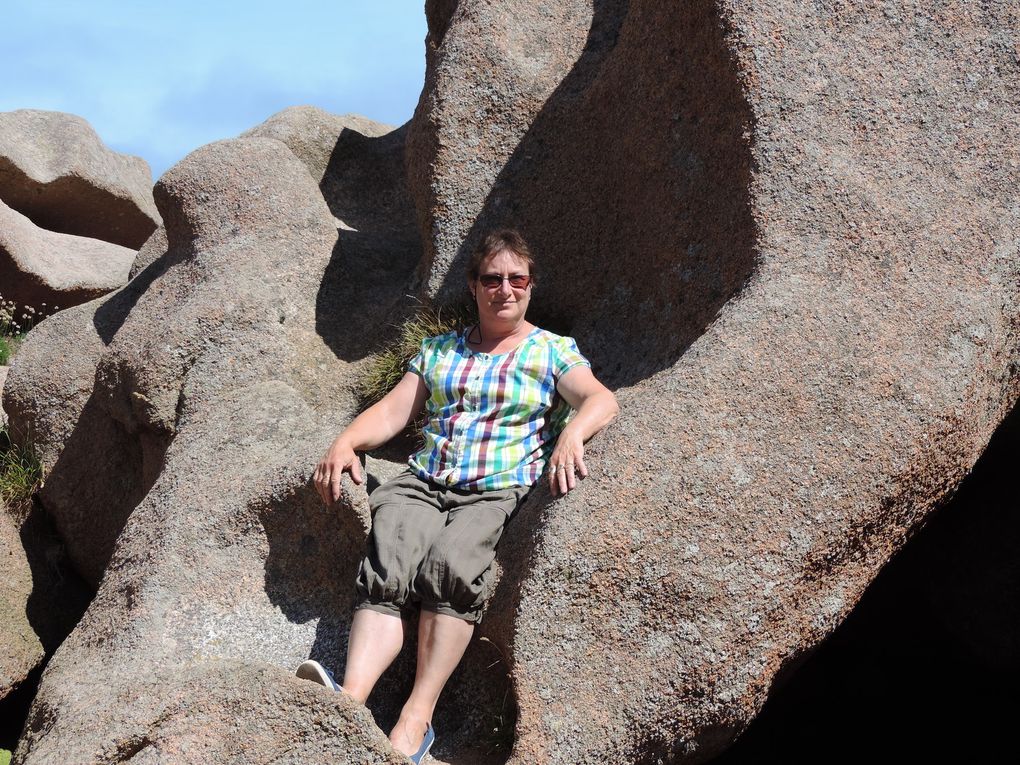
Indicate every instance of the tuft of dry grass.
{"type": "Point", "coordinates": [20, 471]}
{"type": "Point", "coordinates": [386, 369]}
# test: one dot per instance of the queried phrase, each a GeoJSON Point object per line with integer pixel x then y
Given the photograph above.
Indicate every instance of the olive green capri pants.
{"type": "Point", "coordinates": [434, 545]}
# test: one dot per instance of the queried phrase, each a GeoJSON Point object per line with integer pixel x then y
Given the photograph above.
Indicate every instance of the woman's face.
{"type": "Point", "coordinates": [502, 304]}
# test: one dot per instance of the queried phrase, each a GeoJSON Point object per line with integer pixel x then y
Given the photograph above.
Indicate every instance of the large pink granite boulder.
{"type": "Point", "coordinates": [201, 395]}
{"type": "Point", "coordinates": [788, 237]}
{"type": "Point", "coordinates": [57, 171]}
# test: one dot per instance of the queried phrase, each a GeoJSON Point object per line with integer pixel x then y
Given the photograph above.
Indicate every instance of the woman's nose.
{"type": "Point", "coordinates": [504, 287]}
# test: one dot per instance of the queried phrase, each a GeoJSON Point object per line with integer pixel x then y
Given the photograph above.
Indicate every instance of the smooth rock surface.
{"type": "Point", "coordinates": [41, 269]}
{"type": "Point", "coordinates": [788, 238]}
{"type": "Point", "coordinates": [313, 134]}
{"type": "Point", "coordinates": [57, 171]}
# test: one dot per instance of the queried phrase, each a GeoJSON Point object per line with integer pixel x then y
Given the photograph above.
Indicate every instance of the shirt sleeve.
{"type": "Point", "coordinates": [417, 362]}
{"type": "Point", "coordinates": [566, 356]}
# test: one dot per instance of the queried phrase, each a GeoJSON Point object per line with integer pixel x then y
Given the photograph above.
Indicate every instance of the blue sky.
{"type": "Point", "coordinates": [159, 79]}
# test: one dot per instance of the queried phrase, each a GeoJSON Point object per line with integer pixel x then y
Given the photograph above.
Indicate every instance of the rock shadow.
{"type": "Point", "coordinates": [102, 473]}
{"type": "Point", "coordinates": [932, 645]}
{"type": "Point", "coordinates": [112, 312]}
{"type": "Point", "coordinates": [632, 185]}
{"type": "Point", "coordinates": [311, 564]}
{"type": "Point", "coordinates": [105, 468]}
{"type": "Point", "coordinates": [59, 596]}
{"type": "Point", "coordinates": [310, 571]}
{"type": "Point", "coordinates": [56, 603]}
{"type": "Point", "coordinates": [365, 287]}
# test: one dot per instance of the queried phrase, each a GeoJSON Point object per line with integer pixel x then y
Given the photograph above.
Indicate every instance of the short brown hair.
{"type": "Point", "coordinates": [500, 240]}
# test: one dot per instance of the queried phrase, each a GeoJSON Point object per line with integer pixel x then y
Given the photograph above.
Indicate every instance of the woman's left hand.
{"type": "Point", "coordinates": [567, 463]}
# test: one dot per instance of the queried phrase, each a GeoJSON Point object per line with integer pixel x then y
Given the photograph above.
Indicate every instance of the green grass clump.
{"type": "Point", "coordinates": [5, 757]}
{"type": "Point", "coordinates": [7, 347]}
{"type": "Point", "coordinates": [390, 364]}
{"type": "Point", "coordinates": [20, 472]}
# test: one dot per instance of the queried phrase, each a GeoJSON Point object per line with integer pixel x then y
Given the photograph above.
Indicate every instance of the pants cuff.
{"type": "Point", "coordinates": [380, 606]}
{"type": "Point", "coordinates": [475, 617]}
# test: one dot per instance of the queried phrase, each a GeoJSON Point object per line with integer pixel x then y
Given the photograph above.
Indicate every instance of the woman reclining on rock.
{"type": "Point", "coordinates": [498, 397]}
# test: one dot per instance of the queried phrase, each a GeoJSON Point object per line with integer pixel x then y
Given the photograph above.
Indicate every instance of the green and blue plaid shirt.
{"type": "Point", "coordinates": [492, 420]}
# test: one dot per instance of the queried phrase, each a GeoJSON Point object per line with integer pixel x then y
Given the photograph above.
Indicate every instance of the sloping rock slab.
{"type": "Point", "coordinates": [788, 237]}
{"type": "Point", "coordinates": [204, 711]}
{"type": "Point", "coordinates": [41, 269]}
{"type": "Point", "coordinates": [57, 171]}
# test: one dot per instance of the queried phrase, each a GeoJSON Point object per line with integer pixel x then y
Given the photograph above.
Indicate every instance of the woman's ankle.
{"type": "Point", "coordinates": [408, 734]}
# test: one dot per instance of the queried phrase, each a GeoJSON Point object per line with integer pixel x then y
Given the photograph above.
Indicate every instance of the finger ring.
{"type": "Point", "coordinates": [557, 468]}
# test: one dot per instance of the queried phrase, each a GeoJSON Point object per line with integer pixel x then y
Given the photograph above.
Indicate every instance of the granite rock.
{"type": "Point", "coordinates": [204, 391]}
{"type": "Point", "coordinates": [787, 238]}
{"type": "Point", "coordinates": [57, 171]}
{"type": "Point", "coordinates": [41, 269]}
{"type": "Point", "coordinates": [214, 710]}
{"type": "Point", "coordinates": [313, 134]}
{"type": "Point", "coordinates": [21, 650]}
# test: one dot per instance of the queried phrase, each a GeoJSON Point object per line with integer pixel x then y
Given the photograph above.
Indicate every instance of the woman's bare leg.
{"type": "Point", "coordinates": [376, 639]}
{"type": "Point", "coordinates": [442, 640]}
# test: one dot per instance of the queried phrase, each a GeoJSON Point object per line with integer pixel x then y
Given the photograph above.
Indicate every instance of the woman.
{"type": "Point", "coordinates": [497, 399]}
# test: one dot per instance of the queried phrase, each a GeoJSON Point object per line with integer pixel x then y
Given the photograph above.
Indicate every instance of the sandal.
{"type": "Point", "coordinates": [312, 670]}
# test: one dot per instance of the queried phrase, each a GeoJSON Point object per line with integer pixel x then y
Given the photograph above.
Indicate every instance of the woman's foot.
{"type": "Point", "coordinates": [413, 737]}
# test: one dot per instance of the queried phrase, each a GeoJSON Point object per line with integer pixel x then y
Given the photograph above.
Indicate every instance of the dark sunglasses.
{"type": "Point", "coordinates": [495, 281]}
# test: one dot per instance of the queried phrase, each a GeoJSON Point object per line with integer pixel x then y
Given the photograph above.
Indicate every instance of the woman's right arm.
{"type": "Point", "coordinates": [370, 429]}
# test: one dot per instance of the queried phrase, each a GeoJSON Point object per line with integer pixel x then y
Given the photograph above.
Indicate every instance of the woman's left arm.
{"type": "Point", "coordinates": [596, 406]}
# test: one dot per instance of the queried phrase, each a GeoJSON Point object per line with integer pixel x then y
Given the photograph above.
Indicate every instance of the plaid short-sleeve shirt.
{"type": "Point", "coordinates": [492, 420]}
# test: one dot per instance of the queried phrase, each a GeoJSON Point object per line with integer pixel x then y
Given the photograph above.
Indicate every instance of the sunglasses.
{"type": "Point", "coordinates": [495, 281]}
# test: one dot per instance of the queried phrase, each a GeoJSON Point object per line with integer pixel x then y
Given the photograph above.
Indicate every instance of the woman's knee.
{"type": "Point", "coordinates": [388, 568]}
{"type": "Point", "coordinates": [454, 580]}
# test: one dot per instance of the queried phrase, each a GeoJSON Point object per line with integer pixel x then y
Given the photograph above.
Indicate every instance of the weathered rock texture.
{"type": "Point", "coordinates": [20, 648]}
{"type": "Point", "coordinates": [312, 134]}
{"type": "Point", "coordinates": [42, 269]}
{"type": "Point", "coordinates": [178, 440]}
{"type": "Point", "coordinates": [41, 598]}
{"type": "Point", "coordinates": [57, 171]}
{"type": "Point", "coordinates": [786, 234]}
{"type": "Point", "coordinates": [225, 712]}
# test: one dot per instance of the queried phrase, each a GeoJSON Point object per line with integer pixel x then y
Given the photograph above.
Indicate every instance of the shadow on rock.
{"type": "Point", "coordinates": [364, 290]}
{"type": "Point", "coordinates": [94, 490]}
{"type": "Point", "coordinates": [632, 183]}
{"type": "Point", "coordinates": [312, 561]}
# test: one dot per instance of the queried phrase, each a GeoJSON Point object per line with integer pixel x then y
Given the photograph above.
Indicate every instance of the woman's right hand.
{"type": "Point", "coordinates": [340, 459]}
